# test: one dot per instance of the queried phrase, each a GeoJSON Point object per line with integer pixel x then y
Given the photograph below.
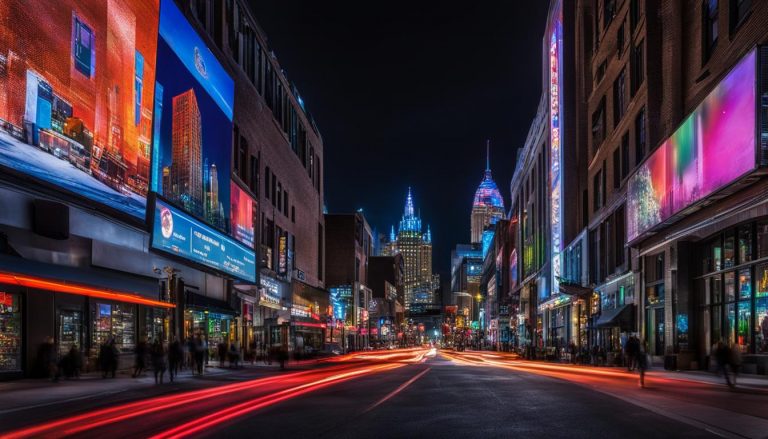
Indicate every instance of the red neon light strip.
{"type": "Point", "coordinates": [61, 287]}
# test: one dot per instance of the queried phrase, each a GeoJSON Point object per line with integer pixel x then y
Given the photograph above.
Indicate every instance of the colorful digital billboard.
{"type": "Point", "coordinates": [242, 213]}
{"type": "Point", "coordinates": [177, 233]}
{"type": "Point", "coordinates": [192, 145]}
{"type": "Point", "coordinates": [555, 57]}
{"type": "Point", "coordinates": [76, 95]}
{"type": "Point", "coordinates": [713, 147]}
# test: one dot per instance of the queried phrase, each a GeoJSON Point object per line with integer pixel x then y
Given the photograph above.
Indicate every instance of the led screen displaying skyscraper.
{"type": "Point", "coordinates": [242, 213]}
{"type": "Point", "coordinates": [713, 147]}
{"type": "Point", "coordinates": [75, 108]}
{"type": "Point", "coordinates": [193, 125]}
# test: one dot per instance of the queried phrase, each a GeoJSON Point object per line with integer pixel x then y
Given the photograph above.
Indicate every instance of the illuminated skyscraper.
{"type": "Point", "coordinates": [415, 245]}
{"type": "Point", "coordinates": [488, 206]}
{"type": "Point", "coordinates": [187, 152]}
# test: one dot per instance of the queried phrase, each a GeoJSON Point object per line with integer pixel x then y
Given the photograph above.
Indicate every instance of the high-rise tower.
{"type": "Point", "coordinates": [415, 246]}
{"type": "Point", "coordinates": [187, 152]}
{"type": "Point", "coordinates": [487, 206]}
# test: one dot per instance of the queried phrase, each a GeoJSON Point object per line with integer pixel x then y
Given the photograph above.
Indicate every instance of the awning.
{"type": "Point", "coordinates": [195, 300]}
{"type": "Point", "coordinates": [623, 317]}
{"type": "Point", "coordinates": [575, 290]}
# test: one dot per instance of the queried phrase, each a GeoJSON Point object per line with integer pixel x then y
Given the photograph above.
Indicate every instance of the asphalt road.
{"type": "Point", "coordinates": [408, 394]}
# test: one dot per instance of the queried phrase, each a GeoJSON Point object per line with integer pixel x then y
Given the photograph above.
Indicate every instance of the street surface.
{"type": "Point", "coordinates": [404, 393]}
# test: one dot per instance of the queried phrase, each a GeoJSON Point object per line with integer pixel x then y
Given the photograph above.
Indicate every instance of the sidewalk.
{"type": "Point", "coordinates": [27, 394]}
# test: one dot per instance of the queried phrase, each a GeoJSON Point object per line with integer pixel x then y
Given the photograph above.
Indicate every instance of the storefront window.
{"type": "Point", "coordinates": [717, 323]}
{"type": "Point", "coordinates": [729, 254]}
{"type": "Point", "coordinates": [10, 332]}
{"type": "Point", "coordinates": [745, 244]}
{"type": "Point", "coordinates": [716, 253]}
{"type": "Point", "coordinates": [730, 287]}
{"type": "Point", "coordinates": [114, 320]}
{"type": "Point", "coordinates": [745, 284]}
{"type": "Point", "coordinates": [744, 325]}
{"type": "Point", "coordinates": [730, 324]}
{"type": "Point", "coordinates": [655, 294]}
{"type": "Point", "coordinates": [762, 239]}
{"type": "Point", "coordinates": [761, 334]}
{"type": "Point", "coordinates": [154, 324]}
{"type": "Point", "coordinates": [716, 289]}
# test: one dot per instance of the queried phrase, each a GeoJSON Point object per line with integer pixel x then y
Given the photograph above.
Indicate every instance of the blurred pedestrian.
{"type": "Point", "coordinates": [723, 358]}
{"type": "Point", "coordinates": [734, 360]}
{"type": "Point", "coordinates": [159, 360]}
{"type": "Point", "coordinates": [71, 363]}
{"type": "Point", "coordinates": [632, 350]}
{"type": "Point", "coordinates": [189, 350]}
{"type": "Point", "coordinates": [199, 353]}
{"type": "Point", "coordinates": [175, 358]}
{"type": "Point", "coordinates": [221, 350]}
{"type": "Point", "coordinates": [46, 355]}
{"type": "Point", "coordinates": [642, 362]}
{"type": "Point", "coordinates": [108, 358]}
{"type": "Point", "coordinates": [140, 358]}
{"type": "Point", "coordinates": [234, 356]}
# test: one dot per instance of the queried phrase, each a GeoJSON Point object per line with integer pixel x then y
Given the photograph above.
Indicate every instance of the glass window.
{"type": "Point", "coordinates": [761, 312]}
{"type": "Point", "coordinates": [745, 284]}
{"type": "Point", "coordinates": [744, 325]}
{"type": "Point", "coordinates": [716, 288]}
{"type": "Point", "coordinates": [716, 253]}
{"type": "Point", "coordinates": [10, 332]}
{"type": "Point", "coordinates": [730, 324]}
{"type": "Point", "coordinates": [117, 321]}
{"type": "Point", "coordinates": [762, 239]}
{"type": "Point", "coordinates": [730, 287]}
{"type": "Point", "coordinates": [745, 244]}
{"type": "Point", "coordinates": [729, 254]}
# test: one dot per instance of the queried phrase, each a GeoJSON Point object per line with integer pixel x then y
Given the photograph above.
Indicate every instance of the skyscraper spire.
{"type": "Point", "coordinates": [409, 204]}
{"type": "Point", "coordinates": [487, 155]}
{"type": "Point", "coordinates": [392, 234]}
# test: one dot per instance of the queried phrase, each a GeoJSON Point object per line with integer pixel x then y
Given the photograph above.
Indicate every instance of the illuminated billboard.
{"type": "Point", "coordinates": [76, 96]}
{"type": "Point", "coordinates": [192, 145]}
{"type": "Point", "coordinates": [713, 147]}
{"type": "Point", "coordinates": [177, 233]}
{"type": "Point", "coordinates": [242, 212]}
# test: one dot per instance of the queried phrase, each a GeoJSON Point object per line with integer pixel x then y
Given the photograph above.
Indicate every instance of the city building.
{"type": "Point", "coordinates": [385, 277]}
{"type": "Point", "coordinates": [466, 267]}
{"type": "Point", "coordinates": [349, 245]}
{"type": "Point", "coordinates": [187, 150]}
{"type": "Point", "coordinates": [487, 205]}
{"type": "Point", "coordinates": [415, 245]}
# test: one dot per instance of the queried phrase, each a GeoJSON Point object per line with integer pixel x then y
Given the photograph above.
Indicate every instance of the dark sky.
{"type": "Point", "coordinates": [405, 94]}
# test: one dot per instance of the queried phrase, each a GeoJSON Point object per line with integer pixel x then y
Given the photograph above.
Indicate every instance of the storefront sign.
{"type": "Point", "coordinates": [298, 310]}
{"type": "Point", "coordinates": [282, 256]}
{"type": "Point", "coordinates": [178, 233]}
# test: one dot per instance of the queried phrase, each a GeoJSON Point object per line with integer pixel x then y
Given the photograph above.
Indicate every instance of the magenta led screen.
{"type": "Point", "coordinates": [713, 147]}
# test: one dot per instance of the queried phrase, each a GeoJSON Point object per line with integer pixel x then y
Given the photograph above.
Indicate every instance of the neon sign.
{"type": "Point", "coordinates": [555, 146]}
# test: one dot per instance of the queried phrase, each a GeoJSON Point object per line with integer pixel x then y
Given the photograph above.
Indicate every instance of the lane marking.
{"type": "Point", "coordinates": [398, 390]}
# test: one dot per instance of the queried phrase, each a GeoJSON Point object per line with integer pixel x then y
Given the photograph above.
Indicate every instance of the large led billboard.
{"type": "Point", "coordinates": [177, 233]}
{"type": "Point", "coordinates": [76, 95]}
{"type": "Point", "coordinates": [713, 147]}
{"type": "Point", "coordinates": [192, 145]}
{"type": "Point", "coordinates": [555, 57]}
{"type": "Point", "coordinates": [242, 213]}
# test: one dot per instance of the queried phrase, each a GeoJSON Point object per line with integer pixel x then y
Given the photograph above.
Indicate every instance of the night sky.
{"type": "Point", "coordinates": [406, 93]}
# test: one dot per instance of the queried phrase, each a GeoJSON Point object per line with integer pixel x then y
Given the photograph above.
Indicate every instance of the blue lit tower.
{"type": "Point", "coordinates": [487, 206]}
{"type": "Point", "coordinates": [415, 245]}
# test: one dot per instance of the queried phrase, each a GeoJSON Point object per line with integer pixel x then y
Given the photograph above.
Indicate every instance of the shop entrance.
{"type": "Point", "coordinates": [655, 331]}
{"type": "Point", "coordinates": [69, 331]}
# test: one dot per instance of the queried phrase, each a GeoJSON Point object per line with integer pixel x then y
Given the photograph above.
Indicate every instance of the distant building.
{"type": "Point", "coordinates": [415, 245]}
{"type": "Point", "coordinates": [487, 206]}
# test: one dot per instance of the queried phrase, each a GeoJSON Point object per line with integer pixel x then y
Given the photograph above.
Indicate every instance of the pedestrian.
{"type": "Point", "coordinates": [71, 362]}
{"type": "Point", "coordinates": [632, 349]}
{"type": "Point", "coordinates": [221, 350]}
{"type": "Point", "coordinates": [46, 355]}
{"type": "Point", "coordinates": [199, 353]}
{"type": "Point", "coordinates": [642, 362]}
{"type": "Point", "coordinates": [108, 358]}
{"type": "Point", "coordinates": [190, 354]}
{"type": "Point", "coordinates": [140, 360]}
{"type": "Point", "coordinates": [723, 358]}
{"type": "Point", "coordinates": [175, 358]}
{"type": "Point", "coordinates": [734, 360]}
{"type": "Point", "coordinates": [159, 360]}
{"type": "Point", "coordinates": [234, 356]}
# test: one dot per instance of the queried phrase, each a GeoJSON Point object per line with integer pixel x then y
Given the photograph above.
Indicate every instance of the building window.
{"type": "Point", "coordinates": [279, 196]}
{"type": "Point", "coordinates": [285, 203]}
{"type": "Point", "coordinates": [620, 39]}
{"type": "Point", "coordinates": [254, 180]}
{"type": "Point", "coordinates": [638, 66]}
{"type": "Point", "coordinates": [616, 168]}
{"type": "Point", "coordinates": [640, 137]}
{"type": "Point", "coordinates": [83, 48]}
{"type": "Point", "coordinates": [600, 73]}
{"type": "Point", "coordinates": [267, 177]}
{"type": "Point", "coordinates": [274, 189]}
{"type": "Point", "coordinates": [597, 196]}
{"type": "Point", "coordinates": [634, 14]}
{"type": "Point", "coordinates": [293, 214]}
{"type": "Point", "coordinates": [609, 11]}
{"type": "Point", "coordinates": [598, 125]}
{"type": "Point", "coordinates": [624, 156]}
{"type": "Point", "coordinates": [739, 12]}
{"type": "Point", "coordinates": [710, 32]}
{"type": "Point", "coordinates": [619, 97]}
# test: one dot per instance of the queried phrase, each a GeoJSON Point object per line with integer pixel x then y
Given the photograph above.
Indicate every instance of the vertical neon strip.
{"type": "Point", "coordinates": [555, 128]}
{"type": "Point", "coordinates": [156, 184]}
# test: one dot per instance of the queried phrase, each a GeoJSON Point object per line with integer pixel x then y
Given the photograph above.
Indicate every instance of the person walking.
{"type": "Point", "coordinates": [199, 353]}
{"type": "Point", "coordinates": [723, 359]}
{"type": "Point", "coordinates": [641, 359]}
{"type": "Point", "coordinates": [175, 358]}
{"type": "Point", "coordinates": [734, 360]}
{"type": "Point", "coordinates": [140, 358]}
{"type": "Point", "coordinates": [108, 358]}
{"type": "Point", "coordinates": [159, 360]}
